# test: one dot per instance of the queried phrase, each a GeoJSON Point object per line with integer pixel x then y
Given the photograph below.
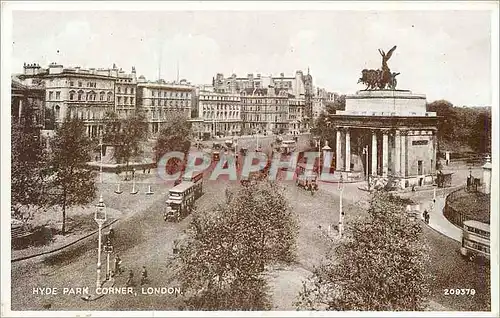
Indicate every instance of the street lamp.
{"type": "Point", "coordinates": [341, 212]}
{"type": "Point", "coordinates": [100, 218]}
{"type": "Point", "coordinates": [365, 152]}
{"type": "Point", "coordinates": [100, 168]}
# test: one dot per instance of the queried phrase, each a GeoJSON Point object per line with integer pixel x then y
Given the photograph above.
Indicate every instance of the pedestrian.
{"type": "Point", "coordinates": [130, 278]}
{"type": "Point", "coordinates": [144, 275]}
{"type": "Point", "coordinates": [111, 233]}
{"type": "Point", "coordinates": [149, 170]}
{"type": "Point", "coordinates": [118, 263]}
{"type": "Point", "coordinates": [144, 170]}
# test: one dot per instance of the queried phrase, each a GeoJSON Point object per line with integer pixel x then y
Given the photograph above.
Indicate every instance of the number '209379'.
{"type": "Point", "coordinates": [460, 291]}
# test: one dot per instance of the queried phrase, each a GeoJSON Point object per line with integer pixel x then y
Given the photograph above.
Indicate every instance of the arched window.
{"type": "Point", "coordinates": [80, 95]}
{"type": "Point", "coordinates": [110, 96]}
{"type": "Point", "coordinates": [101, 95]}
{"type": "Point", "coordinates": [71, 95]}
{"type": "Point", "coordinates": [57, 112]}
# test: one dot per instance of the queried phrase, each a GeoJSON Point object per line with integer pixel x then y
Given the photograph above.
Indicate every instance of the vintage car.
{"type": "Point", "coordinates": [215, 156]}
{"type": "Point", "coordinates": [308, 181]}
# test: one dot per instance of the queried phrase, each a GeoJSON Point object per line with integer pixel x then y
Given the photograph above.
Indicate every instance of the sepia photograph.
{"type": "Point", "coordinates": [245, 159]}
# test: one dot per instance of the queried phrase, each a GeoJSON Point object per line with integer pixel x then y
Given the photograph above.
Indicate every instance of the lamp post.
{"type": "Point", "coordinates": [100, 218]}
{"type": "Point", "coordinates": [341, 212]}
{"type": "Point", "coordinates": [100, 168]}
{"type": "Point", "coordinates": [365, 152]}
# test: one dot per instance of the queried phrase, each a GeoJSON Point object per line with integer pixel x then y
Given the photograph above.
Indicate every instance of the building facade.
{"type": "Point", "coordinates": [87, 94]}
{"type": "Point", "coordinates": [397, 134]}
{"type": "Point", "coordinates": [264, 110]}
{"type": "Point", "coordinates": [28, 104]}
{"type": "Point", "coordinates": [126, 94]}
{"type": "Point", "coordinates": [220, 111]}
{"type": "Point", "coordinates": [321, 99]}
{"type": "Point", "coordinates": [294, 85]}
{"type": "Point", "coordinates": [160, 100]}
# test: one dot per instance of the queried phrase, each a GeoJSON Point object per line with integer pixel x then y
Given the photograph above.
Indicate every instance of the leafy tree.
{"type": "Point", "coordinates": [382, 264]}
{"type": "Point", "coordinates": [71, 183]}
{"type": "Point", "coordinates": [176, 135]}
{"type": "Point", "coordinates": [480, 139]}
{"type": "Point", "coordinates": [236, 241]}
{"type": "Point", "coordinates": [27, 163]}
{"type": "Point", "coordinates": [126, 134]}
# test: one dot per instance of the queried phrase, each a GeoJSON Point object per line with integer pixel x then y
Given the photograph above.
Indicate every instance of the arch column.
{"type": "Point", "coordinates": [338, 151]}
{"type": "Point", "coordinates": [347, 150]}
{"type": "Point", "coordinates": [397, 155]}
{"type": "Point", "coordinates": [374, 152]}
{"type": "Point", "coordinates": [385, 152]}
{"type": "Point", "coordinates": [404, 133]}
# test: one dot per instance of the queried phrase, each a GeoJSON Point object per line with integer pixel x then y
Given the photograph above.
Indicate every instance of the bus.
{"type": "Point", "coordinates": [287, 146]}
{"type": "Point", "coordinates": [197, 179]}
{"type": "Point", "coordinates": [475, 240]}
{"type": "Point", "coordinates": [180, 201]}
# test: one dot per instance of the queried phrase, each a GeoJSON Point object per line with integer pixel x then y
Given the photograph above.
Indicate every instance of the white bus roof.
{"type": "Point", "coordinates": [477, 225]}
{"type": "Point", "coordinates": [181, 187]}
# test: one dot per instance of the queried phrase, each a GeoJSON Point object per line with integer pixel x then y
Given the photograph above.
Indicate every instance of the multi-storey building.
{"type": "Point", "coordinates": [294, 85]}
{"type": "Point", "coordinates": [321, 99]}
{"type": "Point", "coordinates": [221, 112]}
{"type": "Point", "coordinates": [264, 110]}
{"type": "Point", "coordinates": [126, 94]}
{"type": "Point", "coordinates": [84, 93]}
{"type": "Point", "coordinates": [27, 104]}
{"type": "Point", "coordinates": [296, 115]}
{"type": "Point", "coordinates": [159, 100]}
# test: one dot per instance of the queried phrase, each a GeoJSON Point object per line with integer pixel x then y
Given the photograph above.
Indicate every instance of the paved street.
{"type": "Point", "coordinates": [143, 238]}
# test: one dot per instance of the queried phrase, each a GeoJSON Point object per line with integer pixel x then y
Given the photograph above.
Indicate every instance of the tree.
{"type": "Point", "coordinates": [382, 264]}
{"type": "Point", "coordinates": [174, 136]}
{"type": "Point", "coordinates": [71, 183]}
{"type": "Point", "coordinates": [480, 138]}
{"type": "Point", "coordinates": [126, 134]}
{"type": "Point", "coordinates": [27, 162]}
{"type": "Point", "coordinates": [236, 241]}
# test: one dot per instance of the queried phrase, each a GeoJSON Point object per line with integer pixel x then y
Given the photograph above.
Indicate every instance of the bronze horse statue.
{"type": "Point", "coordinates": [381, 78]}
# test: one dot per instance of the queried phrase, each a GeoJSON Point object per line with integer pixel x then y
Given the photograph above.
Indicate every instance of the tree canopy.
{"type": "Point", "coordinates": [70, 182]}
{"type": "Point", "coordinates": [381, 264]}
{"type": "Point", "coordinates": [174, 136]}
{"type": "Point", "coordinates": [235, 242]}
{"type": "Point", "coordinates": [27, 162]}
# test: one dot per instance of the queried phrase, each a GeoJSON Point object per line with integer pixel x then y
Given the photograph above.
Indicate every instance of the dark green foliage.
{"type": "Point", "coordinates": [462, 129]}
{"type": "Point", "coordinates": [382, 264]}
{"type": "Point", "coordinates": [174, 136]}
{"type": "Point", "coordinates": [70, 182]}
{"type": "Point", "coordinates": [27, 179]}
{"type": "Point", "coordinates": [227, 250]}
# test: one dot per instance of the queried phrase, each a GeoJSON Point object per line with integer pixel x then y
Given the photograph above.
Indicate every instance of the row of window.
{"type": "Point", "coordinates": [90, 96]}
{"type": "Point", "coordinates": [269, 109]}
{"type": "Point", "coordinates": [80, 84]}
{"type": "Point", "coordinates": [159, 114]}
{"type": "Point", "coordinates": [263, 118]}
{"type": "Point", "coordinates": [171, 94]}
{"type": "Point", "coordinates": [57, 95]}
{"type": "Point", "coordinates": [162, 102]}
{"type": "Point", "coordinates": [223, 127]}
{"type": "Point", "coordinates": [125, 91]}
{"type": "Point", "coordinates": [234, 115]}
{"type": "Point", "coordinates": [220, 107]}
{"type": "Point", "coordinates": [126, 100]}
{"type": "Point", "coordinates": [266, 101]}
{"type": "Point", "coordinates": [220, 98]}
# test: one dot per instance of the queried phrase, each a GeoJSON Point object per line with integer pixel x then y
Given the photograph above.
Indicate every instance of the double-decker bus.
{"type": "Point", "coordinates": [197, 179]}
{"type": "Point", "coordinates": [180, 201]}
{"type": "Point", "coordinates": [475, 240]}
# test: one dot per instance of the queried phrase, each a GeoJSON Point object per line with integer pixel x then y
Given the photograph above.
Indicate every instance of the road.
{"type": "Point", "coordinates": [143, 238]}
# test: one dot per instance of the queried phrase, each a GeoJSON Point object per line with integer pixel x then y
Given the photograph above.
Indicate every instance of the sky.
{"type": "Point", "coordinates": [443, 54]}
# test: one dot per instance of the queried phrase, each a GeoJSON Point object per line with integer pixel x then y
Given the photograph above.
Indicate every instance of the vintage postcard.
{"type": "Point", "coordinates": [249, 159]}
